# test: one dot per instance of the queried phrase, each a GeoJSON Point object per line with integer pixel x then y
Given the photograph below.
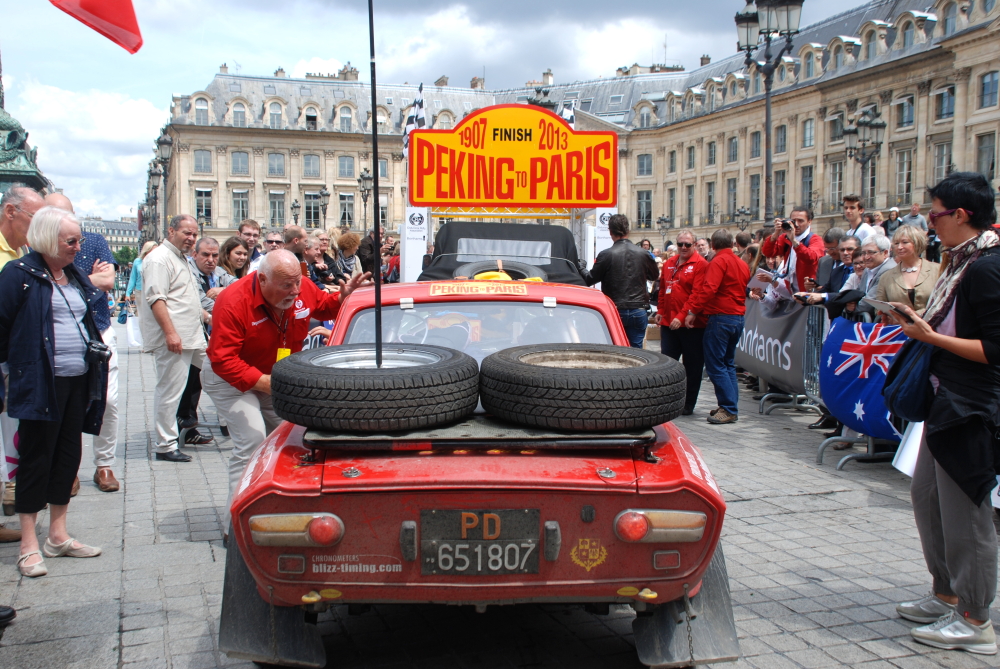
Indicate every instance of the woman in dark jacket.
{"type": "Point", "coordinates": [58, 378]}
{"type": "Point", "coordinates": [956, 466]}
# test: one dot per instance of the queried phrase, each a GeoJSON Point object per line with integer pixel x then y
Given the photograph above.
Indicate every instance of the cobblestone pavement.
{"type": "Point", "coordinates": [817, 558]}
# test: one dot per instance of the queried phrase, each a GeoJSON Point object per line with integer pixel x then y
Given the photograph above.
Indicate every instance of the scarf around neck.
{"type": "Point", "coordinates": [960, 259]}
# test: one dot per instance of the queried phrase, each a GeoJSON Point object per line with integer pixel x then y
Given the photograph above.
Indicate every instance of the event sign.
{"type": "Point", "coordinates": [771, 346]}
{"type": "Point", "coordinates": [413, 242]}
{"type": "Point", "coordinates": [513, 156]}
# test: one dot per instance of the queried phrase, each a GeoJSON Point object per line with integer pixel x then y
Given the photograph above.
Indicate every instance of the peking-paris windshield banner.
{"type": "Point", "coordinates": [856, 358]}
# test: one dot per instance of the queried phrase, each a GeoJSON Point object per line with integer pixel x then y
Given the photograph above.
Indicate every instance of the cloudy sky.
{"type": "Point", "coordinates": [93, 110]}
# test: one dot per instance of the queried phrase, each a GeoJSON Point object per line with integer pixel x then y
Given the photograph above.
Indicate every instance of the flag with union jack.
{"type": "Point", "coordinates": [855, 360]}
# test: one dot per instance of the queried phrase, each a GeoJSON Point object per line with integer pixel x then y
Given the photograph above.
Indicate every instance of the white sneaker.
{"type": "Point", "coordinates": [953, 632]}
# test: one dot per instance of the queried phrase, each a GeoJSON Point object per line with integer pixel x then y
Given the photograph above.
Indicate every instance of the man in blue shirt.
{"type": "Point", "coordinates": [96, 260]}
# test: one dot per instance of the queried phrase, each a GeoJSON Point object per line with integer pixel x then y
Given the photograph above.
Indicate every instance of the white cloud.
{"type": "Point", "coordinates": [93, 144]}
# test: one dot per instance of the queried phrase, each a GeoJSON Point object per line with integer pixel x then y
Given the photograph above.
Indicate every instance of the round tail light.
{"type": "Point", "coordinates": [325, 530]}
{"type": "Point", "coordinates": [631, 526]}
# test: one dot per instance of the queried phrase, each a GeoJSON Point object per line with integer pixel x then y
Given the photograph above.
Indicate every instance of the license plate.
{"type": "Point", "coordinates": [479, 542]}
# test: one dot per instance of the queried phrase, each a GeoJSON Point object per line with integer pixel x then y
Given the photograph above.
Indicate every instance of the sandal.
{"type": "Point", "coordinates": [65, 549]}
{"type": "Point", "coordinates": [34, 570]}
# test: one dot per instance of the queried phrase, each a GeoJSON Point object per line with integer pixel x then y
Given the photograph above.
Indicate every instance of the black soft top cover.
{"type": "Point", "coordinates": [549, 247]}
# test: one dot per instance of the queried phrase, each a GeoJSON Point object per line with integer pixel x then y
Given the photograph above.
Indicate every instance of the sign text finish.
{"type": "Point", "coordinates": [513, 156]}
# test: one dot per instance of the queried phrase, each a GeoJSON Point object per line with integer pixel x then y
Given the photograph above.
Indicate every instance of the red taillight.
{"type": "Point", "coordinates": [632, 526]}
{"type": "Point", "coordinates": [325, 530]}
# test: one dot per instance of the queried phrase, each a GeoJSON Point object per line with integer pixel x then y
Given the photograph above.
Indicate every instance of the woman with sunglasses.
{"type": "Point", "coordinates": [955, 469]}
{"type": "Point", "coordinates": [58, 381]}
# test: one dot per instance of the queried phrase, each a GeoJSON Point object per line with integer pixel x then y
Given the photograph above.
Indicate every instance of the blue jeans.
{"type": "Point", "coordinates": [635, 322]}
{"type": "Point", "coordinates": [721, 336]}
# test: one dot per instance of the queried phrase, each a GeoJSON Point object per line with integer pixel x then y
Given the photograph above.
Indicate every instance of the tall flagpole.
{"type": "Point", "coordinates": [377, 274]}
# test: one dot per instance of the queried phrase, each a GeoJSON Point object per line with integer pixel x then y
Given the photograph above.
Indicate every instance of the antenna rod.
{"type": "Point", "coordinates": [376, 268]}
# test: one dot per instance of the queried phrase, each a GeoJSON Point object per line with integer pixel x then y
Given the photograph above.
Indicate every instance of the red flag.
{"type": "Point", "coordinates": [115, 19]}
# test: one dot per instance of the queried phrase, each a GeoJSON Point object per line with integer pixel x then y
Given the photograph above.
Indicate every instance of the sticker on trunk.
{"type": "Point", "coordinates": [356, 564]}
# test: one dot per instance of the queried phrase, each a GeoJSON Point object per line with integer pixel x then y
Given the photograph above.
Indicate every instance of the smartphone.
{"type": "Point", "coordinates": [885, 308]}
{"type": "Point", "coordinates": [804, 299]}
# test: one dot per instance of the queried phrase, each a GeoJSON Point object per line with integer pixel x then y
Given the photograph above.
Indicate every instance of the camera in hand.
{"type": "Point", "coordinates": [786, 225]}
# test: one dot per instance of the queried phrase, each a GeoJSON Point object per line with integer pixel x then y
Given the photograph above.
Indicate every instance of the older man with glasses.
{"type": "Point", "coordinates": [273, 241]}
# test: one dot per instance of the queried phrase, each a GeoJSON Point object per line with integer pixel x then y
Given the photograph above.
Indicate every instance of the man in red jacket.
{"type": "Point", "coordinates": [678, 279]}
{"type": "Point", "coordinates": [721, 296]}
{"type": "Point", "coordinates": [257, 321]}
{"type": "Point", "coordinates": [799, 247]}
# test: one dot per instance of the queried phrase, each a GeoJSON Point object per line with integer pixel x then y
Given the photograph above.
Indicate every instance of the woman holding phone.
{"type": "Point", "coordinates": [955, 469]}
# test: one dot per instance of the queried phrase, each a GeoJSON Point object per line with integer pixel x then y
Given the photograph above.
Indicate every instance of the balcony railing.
{"type": "Point", "coordinates": [708, 219]}
{"type": "Point", "coordinates": [902, 199]}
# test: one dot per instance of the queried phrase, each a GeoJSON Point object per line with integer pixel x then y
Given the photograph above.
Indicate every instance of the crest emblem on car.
{"type": "Point", "coordinates": [589, 553]}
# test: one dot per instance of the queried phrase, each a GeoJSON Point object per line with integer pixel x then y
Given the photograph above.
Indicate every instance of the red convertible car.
{"type": "Point", "coordinates": [480, 511]}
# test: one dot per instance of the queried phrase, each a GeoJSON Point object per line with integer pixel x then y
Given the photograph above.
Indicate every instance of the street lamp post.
{"type": "Point", "coordinates": [155, 174]}
{"type": "Point", "coordinates": [296, 207]}
{"type": "Point", "coordinates": [743, 218]}
{"type": "Point", "coordinates": [663, 223]}
{"type": "Point", "coordinates": [770, 20]}
{"type": "Point", "coordinates": [201, 225]}
{"type": "Point", "coordinates": [324, 200]}
{"type": "Point", "coordinates": [365, 182]}
{"type": "Point", "coordinates": [864, 140]}
{"type": "Point", "coordinates": [164, 149]}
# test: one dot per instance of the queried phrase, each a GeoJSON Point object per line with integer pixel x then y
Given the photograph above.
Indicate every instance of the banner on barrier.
{"type": "Point", "coordinates": [772, 345]}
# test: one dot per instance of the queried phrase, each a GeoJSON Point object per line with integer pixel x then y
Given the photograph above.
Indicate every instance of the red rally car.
{"type": "Point", "coordinates": [482, 511]}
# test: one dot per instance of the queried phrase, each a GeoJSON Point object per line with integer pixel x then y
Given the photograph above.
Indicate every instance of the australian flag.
{"type": "Point", "coordinates": [856, 357]}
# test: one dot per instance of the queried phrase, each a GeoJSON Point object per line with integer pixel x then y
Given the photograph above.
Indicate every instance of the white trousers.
{"type": "Point", "coordinates": [250, 417]}
{"type": "Point", "coordinates": [171, 378]}
{"type": "Point", "coordinates": [106, 443]}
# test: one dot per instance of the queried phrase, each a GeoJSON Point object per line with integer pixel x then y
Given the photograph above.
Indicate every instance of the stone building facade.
{"type": "Point", "coordinates": [119, 234]}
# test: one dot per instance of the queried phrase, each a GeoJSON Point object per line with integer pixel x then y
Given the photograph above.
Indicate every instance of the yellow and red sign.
{"type": "Point", "coordinates": [513, 156]}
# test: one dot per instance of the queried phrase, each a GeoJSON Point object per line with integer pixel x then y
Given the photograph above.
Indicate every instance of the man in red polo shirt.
{"type": "Point", "coordinates": [257, 321]}
{"type": "Point", "coordinates": [799, 248]}
{"type": "Point", "coordinates": [721, 297]}
{"type": "Point", "coordinates": [681, 274]}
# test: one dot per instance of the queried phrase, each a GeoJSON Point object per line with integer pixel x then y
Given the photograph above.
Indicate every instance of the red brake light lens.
{"type": "Point", "coordinates": [325, 531]}
{"type": "Point", "coordinates": [632, 526]}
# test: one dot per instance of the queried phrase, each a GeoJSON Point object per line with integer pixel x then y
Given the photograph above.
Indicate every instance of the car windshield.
{"type": "Point", "coordinates": [482, 328]}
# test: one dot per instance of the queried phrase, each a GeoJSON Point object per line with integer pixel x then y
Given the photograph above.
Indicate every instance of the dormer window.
{"type": "Point", "coordinates": [838, 57]}
{"type": "Point", "coordinates": [311, 118]}
{"type": "Point", "coordinates": [645, 118]}
{"type": "Point", "coordinates": [781, 74]}
{"type": "Point", "coordinates": [810, 66]}
{"type": "Point", "coordinates": [950, 18]}
{"type": "Point", "coordinates": [732, 89]}
{"type": "Point", "coordinates": [201, 111]}
{"type": "Point", "coordinates": [239, 115]}
{"type": "Point", "coordinates": [275, 112]}
{"type": "Point", "coordinates": [908, 34]}
{"type": "Point", "coordinates": [870, 45]}
{"type": "Point", "coordinates": [345, 119]}
{"type": "Point", "coordinates": [616, 100]}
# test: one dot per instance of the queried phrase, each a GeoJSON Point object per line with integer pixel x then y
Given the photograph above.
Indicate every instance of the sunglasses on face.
{"type": "Point", "coordinates": [273, 241]}
{"type": "Point", "coordinates": [685, 245]}
{"type": "Point", "coordinates": [935, 216]}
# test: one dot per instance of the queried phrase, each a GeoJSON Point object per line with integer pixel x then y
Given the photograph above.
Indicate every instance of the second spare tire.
{"type": "Point", "coordinates": [582, 387]}
{"type": "Point", "coordinates": [339, 388]}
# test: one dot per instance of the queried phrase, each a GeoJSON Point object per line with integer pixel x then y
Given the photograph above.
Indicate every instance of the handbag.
{"type": "Point", "coordinates": [908, 391]}
{"type": "Point", "coordinates": [123, 317]}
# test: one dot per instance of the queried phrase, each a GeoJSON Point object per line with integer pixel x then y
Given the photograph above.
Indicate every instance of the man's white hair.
{"type": "Point", "coordinates": [43, 233]}
{"type": "Point", "coordinates": [881, 242]}
{"type": "Point", "coordinates": [275, 259]}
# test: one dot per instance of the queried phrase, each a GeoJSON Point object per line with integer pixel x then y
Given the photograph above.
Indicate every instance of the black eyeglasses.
{"type": "Point", "coordinates": [686, 245]}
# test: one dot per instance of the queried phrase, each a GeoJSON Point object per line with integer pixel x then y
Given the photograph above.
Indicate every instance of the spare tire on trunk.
{"type": "Point", "coordinates": [517, 271]}
{"type": "Point", "coordinates": [582, 386]}
{"type": "Point", "coordinates": [339, 388]}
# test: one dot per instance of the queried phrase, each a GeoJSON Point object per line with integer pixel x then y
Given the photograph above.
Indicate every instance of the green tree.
{"type": "Point", "coordinates": [125, 255]}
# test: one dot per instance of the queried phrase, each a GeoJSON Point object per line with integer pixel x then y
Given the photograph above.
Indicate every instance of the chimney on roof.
{"type": "Point", "coordinates": [442, 80]}
{"type": "Point", "coordinates": [547, 78]}
{"type": "Point", "coordinates": [224, 69]}
{"type": "Point", "coordinates": [478, 84]}
{"type": "Point", "coordinates": [705, 60]}
{"type": "Point", "coordinates": [280, 72]}
{"type": "Point", "coordinates": [347, 73]}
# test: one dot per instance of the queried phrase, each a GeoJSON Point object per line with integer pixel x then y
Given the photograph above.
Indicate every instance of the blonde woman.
{"type": "Point", "coordinates": [910, 282]}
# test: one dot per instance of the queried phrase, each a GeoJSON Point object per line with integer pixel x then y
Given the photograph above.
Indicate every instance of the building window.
{"type": "Point", "coordinates": [710, 154]}
{"type": "Point", "coordinates": [275, 164]}
{"type": "Point", "coordinates": [383, 168]}
{"type": "Point", "coordinates": [345, 167]}
{"type": "Point", "coordinates": [239, 115]}
{"type": "Point", "coordinates": [310, 165]}
{"type": "Point", "coordinates": [781, 74]}
{"type": "Point", "coordinates": [944, 103]}
{"type": "Point", "coordinates": [383, 126]}
{"type": "Point", "coordinates": [672, 163]}
{"type": "Point", "coordinates": [383, 210]}
{"type": "Point", "coordinates": [444, 122]}
{"type": "Point", "coordinates": [807, 186]}
{"type": "Point", "coordinates": [275, 122]}
{"type": "Point", "coordinates": [201, 111]}
{"type": "Point", "coordinates": [710, 198]}
{"type": "Point", "coordinates": [780, 139]}
{"type": "Point", "coordinates": [838, 58]}
{"type": "Point", "coordinates": [779, 192]}
{"type": "Point", "coordinates": [869, 184]}
{"type": "Point", "coordinates": [756, 83]}
{"type": "Point", "coordinates": [645, 165]}
{"type": "Point", "coordinates": [690, 204]}
{"type": "Point", "coordinates": [950, 18]}
{"type": "Point", "coordinates": [837, 128]}
{"type": "Point", "coordinates": [904, 176]}
{"type": "Point", "coordinates": [616, 99]}
{"type": "Point", "coordinates": [808, 133]}
{"type": "Point", "coordinates": [644, 214]}
{"type": "Point", "coordinates": [836, 182]}
{"type": "Point", "coordinates": [311, 119]}
{"type": "Point", "coordinates": [755, 144]}
{"type": "Point", "coordinates": [870, 45]}
{"type": "Point", "coordinates": [988, 89]}
{"type": "Point", "coordinates": [731, 196]}
{"type": "Point", "coordinates": [203, 162]}
{"type": "Point", "coordinates": [585, 104]}
{"type": "Point", "coordinates": [276, 206]}
{"type": "Point", "coordinates": [312, 210]}
{"type": "Point", "coordinates": [241, 162]}
{"type": "Point", "coordinates": [671, 203]}
{"type": "Point", "coordinates": [645, 118]}
{"type": "Point", "coordinates": [908, 35]}
{"type": "Point", "coordinates": [345, 119]}
{"type": "Point", "coordinates": [690, 157]}
{"type": "Point", "coordinates": [810, 66]}
{"type": "Point", "coordinates": [203, 204]}
{"type": "Point", "coordinates": [986, 153]}
{"type": "Point", "coordinates": [904, 113]}
{"type": "Point", "coordinates": [755, 196]}
{"type": "Point", "coordinates": [734, 149]}
{"type": "Point", "coordinates": [942, 161]}
{"type": "Point", "coordinates": [347, 209]}
{"type": "Point", "coordinates": [241, 205]}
